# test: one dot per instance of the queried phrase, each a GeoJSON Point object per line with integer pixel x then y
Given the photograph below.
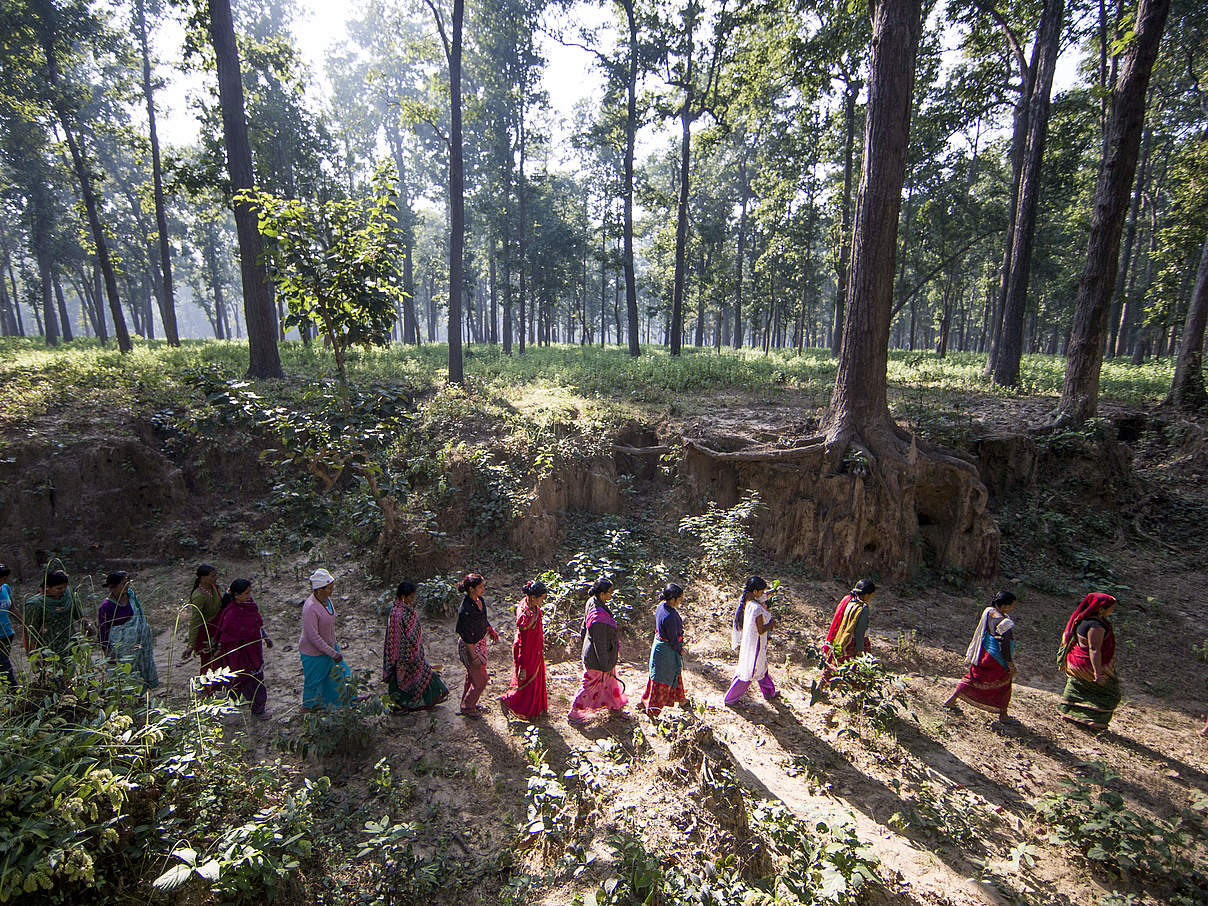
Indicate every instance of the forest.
{"type": "Point", "coordinates": [691, 376]}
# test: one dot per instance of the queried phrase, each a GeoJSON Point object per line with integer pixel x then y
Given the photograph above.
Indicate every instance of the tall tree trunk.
{"type": "Point", "coordinates": [1080, 393]}
{"type": "Point", "coordinates": [167, 298]}
{"type": "Point", "coordinates": [507, 285]}
{"type": "Point", "coordinates": [1047, 48]}
{"type": "Point", "coordinates": [631, 127]}
{"type": "Point", "coordinates": [859, 399]}
{"type": "Point", "coordinates": [741, 254]}
{"type": "Point", "coordinates": [1019, 136]}
{"type": "Point", "coordinates": [1119, 332]}
{"type": "Point", "coordinates": [457, 201]}
{"type": "Point", "coordinates": [1187, 388]}
{"type": "Point", "coordinates": [522, 198]}
{"type": "Point", "coordinates": [264, 359]}
{"type": "Point", "coordinates": [851, 92]}
{"type": "Point", "coordinates": [64, 320]}
{"type": "Point", "coordinates": [681, 208]}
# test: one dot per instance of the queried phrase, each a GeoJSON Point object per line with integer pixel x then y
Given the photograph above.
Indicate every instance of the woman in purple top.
{"type": "Point", "coordinates": [240, 637]}
{"type": "Point", "coordinates": [124, 631]}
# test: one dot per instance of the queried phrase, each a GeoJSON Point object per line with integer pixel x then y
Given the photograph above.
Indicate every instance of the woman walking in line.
{"type": "Point", "coordinates": [1088, 657]}
{"type": "Point", "coordinates": [991, 660]}
{"type": "Point", "coordinates": [205, 602]}
{"type": "Point", "coordinates": [324, 672]}
{"type": "Point", "coordinates": [413, 685]}
{"type": "Point", "coordinates": [848, 634]}
{"type": "Point", "coordinates": [7, 632]}
{"type": "Point", "coordinates": [473, 627]}
{"type": "Point", "coordinates": [666, 684]}
{"type": "Point", "coordinates": [49, 619]}
{"type": "Point", "coordinates": [755, 626]}
{"type": "Point", "coordinates": [241, 640]}
{"type": "Point", "coordinates": [601, 687]}
{"type": "Point", "coordinates": [124, 632]}
{"type": "Point", "coordinates": [527, 696]}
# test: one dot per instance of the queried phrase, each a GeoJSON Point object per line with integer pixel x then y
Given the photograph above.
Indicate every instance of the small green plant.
{"type": "Point", "coordinates": [947, 815]}
{"type": "Point", "coordinates": [868, 690]}
{"type": "Point", "coordinates": [1094, 819]}
{"type": "Point", "coordinates": [340, 731]}
{"type": "Point", "coordinates": [725, 533]}
{"type": "Point", "coordinates": [822, 862]}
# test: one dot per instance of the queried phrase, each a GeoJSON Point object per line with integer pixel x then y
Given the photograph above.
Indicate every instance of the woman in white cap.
{"type": "Point", "coordinates": [323, 667]}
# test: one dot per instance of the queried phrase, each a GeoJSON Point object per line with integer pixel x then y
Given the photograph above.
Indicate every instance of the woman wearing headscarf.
{"type": "Point", "coordinates": [413, 685]}
{"type": "Point", "coordinates": [1088, 657]}
{"type": "Point", "coordinates": [848, 634]}
{"type": "Point", "coordinates": [323, 669]}
{"type": "Point", "coordinates": [124, 632]}
{"type": "Point", "coordinates": [527, 696]}
{"type": "Point", "coordinates": [601, 688]}
{"type": "Point", "coordinates": [666, 684]}
{"type": "Point", "coordinates": [241, 641]}
{"type": "Point", "coordinates": [991, 659]}
{"type": "Point", "coordinates": [205, 603]}
{"type": "Point", "coordinates": [755, 626]}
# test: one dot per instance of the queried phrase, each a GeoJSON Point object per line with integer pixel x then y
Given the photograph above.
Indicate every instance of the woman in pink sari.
{"type": "Point", "coordinates": [527, 696]}
{"type": "Point", "coordinates": [601, 649]}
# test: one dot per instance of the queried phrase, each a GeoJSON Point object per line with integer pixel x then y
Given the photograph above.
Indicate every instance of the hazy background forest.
{"type": "Point", "coordinates": [751, 128]}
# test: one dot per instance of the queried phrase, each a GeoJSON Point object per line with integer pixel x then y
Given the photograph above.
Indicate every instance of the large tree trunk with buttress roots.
{"type": "Point", "coordinates": [865, 495]}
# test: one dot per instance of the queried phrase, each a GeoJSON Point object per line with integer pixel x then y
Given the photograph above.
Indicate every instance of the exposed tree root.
{"type": "Point", "coordinates": [848, 502]}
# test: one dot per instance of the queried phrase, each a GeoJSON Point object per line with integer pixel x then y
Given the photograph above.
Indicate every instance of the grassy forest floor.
{"type": "Point", "coordinates": [794, 801]}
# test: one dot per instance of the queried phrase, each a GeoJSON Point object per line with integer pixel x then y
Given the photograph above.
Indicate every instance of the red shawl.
{"type": "Point", "coordinates": [527, 694]}
{"type": "Point", "coordinates": [1090, 605]}
{"type": "Point", "coordinates": [834, 626]}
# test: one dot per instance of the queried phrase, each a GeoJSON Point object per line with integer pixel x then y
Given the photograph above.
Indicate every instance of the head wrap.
{"type": "Point", "coordinates": [1091, 604]}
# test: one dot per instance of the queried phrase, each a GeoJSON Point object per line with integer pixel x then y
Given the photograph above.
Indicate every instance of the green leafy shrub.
{"type": "Point", "coordinates": [867, 689]}
{"type": "Point", "coordinates": [98, 773]}
{"type": "Point", "coordinates": [822, 861]}
{"type": "Point", "coordinates": [1094, 819]}
{"type": "Point", "coordinates": [725, 534]}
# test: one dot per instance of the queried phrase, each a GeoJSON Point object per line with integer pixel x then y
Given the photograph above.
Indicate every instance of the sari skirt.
{"type": "Point", "coordinates": [666, 684]}
{"type": "Point", "coordinates": [986, 685]}
{"type": "Point", "coordinates": [420, 695]}
{"type": "Point", "coordinates": [599, 690]}
{"type": "Point", "coordinates": [322, 681]}
{"type": "Point", "coordinates": [1088, 703]}
{"type": "Point", "coordinates": [528, 698]}
{"type": "Point", "coordinates": [132, 643]}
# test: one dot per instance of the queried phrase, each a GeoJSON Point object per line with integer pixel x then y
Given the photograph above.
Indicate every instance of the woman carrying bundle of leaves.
{"type": "Point", "coordinates": [666, 684]}
{"type": "Point", "coordinates": [527, 696]}
{"type": "Point", "coordinates": [752, 628]}
{"type": "Point", "coordinates": [1088, 657]}
{"type": "Point", "coordinates": [413, 685]}
{"type": "Point", "coordinates": [848, 634]}
{"type": "Point", "coordinates": [124, 632]}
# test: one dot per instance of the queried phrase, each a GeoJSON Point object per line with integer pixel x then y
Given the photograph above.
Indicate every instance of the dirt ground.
{"type": "Point", "coordinates": [470, 775]}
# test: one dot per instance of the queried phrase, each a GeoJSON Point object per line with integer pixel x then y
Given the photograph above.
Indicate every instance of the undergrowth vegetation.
{"type": "Point", "coordinates": [108, 790]}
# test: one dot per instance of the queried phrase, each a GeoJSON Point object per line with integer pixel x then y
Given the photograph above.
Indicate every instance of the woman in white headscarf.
{"type": "Point", "coordinates": [323, 669]}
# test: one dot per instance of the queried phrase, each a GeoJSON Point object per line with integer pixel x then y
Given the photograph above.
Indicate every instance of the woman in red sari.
{"type": "Point", "coordinates": [1088, 657]}
{"type": "Point", "coordinates": [991, 660]}
{"type": "Point", "coordinates": [526, 697]}
{"type": "Point", "coordinates": [848, 635]}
